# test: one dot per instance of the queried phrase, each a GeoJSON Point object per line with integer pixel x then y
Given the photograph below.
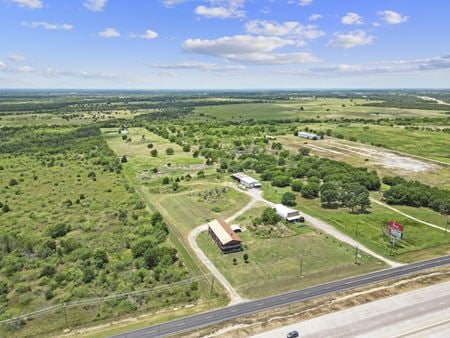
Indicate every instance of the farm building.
{"type": "Point", "coordinates": [288, 214]}
{"type": "Point", "coordinates": [309, 136]}
{"type": "Point", "coordinates": [247, 181]}
{"type": "Point", "coordinates": [225, 238]}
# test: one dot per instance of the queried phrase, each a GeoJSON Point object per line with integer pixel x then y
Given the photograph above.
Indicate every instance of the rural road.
{"type": "Point", "coordinates": [192, 238]}
{"type": "Point", "coordinates": [421, 313]}
{"type": "Point", "coordinates": [330, 230]}
{"type": "Point", "coordinates": [241, 310]}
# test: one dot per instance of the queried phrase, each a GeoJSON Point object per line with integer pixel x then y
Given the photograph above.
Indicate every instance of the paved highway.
{"type": "Point", "coordinates": [243, 309]}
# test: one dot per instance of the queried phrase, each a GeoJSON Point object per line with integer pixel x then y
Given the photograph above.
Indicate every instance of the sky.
{"type": "Point", "coordinates": [224, 44]}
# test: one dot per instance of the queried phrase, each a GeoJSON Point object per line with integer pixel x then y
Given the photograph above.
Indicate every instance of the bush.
{"type": "Point", "coordinates": [288, 199]}
{"type": "Point", "coordinates": [154, 153]}
{"type": "Point", "coordinates": [12, 182]}
{"type": "Point", "coordinates": [58, 230]}
{"type": "Point", "coordinates": [170, 151]}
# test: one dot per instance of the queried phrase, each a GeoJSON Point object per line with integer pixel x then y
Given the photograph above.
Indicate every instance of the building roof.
{"type": "Point", "coordinates": [223, 232]}
{"type": "Point", "coordinates": [286, 212]}
{"type": "Point", "coordinates": [303, 133]}
{"type": "Point", "coordinates": [245, 178]}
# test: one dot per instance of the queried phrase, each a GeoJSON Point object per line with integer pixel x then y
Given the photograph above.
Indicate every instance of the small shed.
{"type": "Point", "coordinates": [288, 214]}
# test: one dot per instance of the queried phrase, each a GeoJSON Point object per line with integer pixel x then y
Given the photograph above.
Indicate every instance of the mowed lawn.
{"type": "Point", "coordinates": [421, 241]}
{"type": "Point", "coordinates": [322, 108]}
{"type": "Point", "coordinates": [274, 263]}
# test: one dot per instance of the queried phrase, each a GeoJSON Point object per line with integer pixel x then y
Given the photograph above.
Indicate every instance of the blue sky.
{"type": "Point", "coordinates": [231, 44]}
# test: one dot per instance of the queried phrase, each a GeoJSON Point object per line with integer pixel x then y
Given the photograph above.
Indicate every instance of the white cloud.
{"type": "Point", "coordinates": [49, 26]}
{"type": "Point", "coordinates": [352, 19]}
{"type": "Point", "coordinates": [392, 18]}
{"type": "Point", "coordinates": [109, 33]}
{"type": "Point", "coordinates": [24, 69]}
{"type": "Point", "coordinates": [17, 57]}
{"type": "Point", "coordinates": [386, 67]}
{"type": "Point", "coordinates": [219, 12]}
{"type": "Point", "coordinates": [222, 9]}
{"type": "Point", "coordinates": [203, 66]}
{"type": "Point", "coordinates": [2, 65]}
{"type": "Point", "coordinates": [288, 28]}
{"type": "Point", "coordinates": [305, 2]}
{"type": "Point", "coordinates": [350, 39]}
{"type": "Point", "coordinates": [95, 5]}
{"type": "Point", "coordinates": [32, 4]}
{"type": "Point", "coordinates": [148, 35]}
{"type": "Point", "coordinates": [171, 3]}
{"type": "Point", "coordinates": [249, 49]}
{"type": "Point", "coordinates": [315, 17]}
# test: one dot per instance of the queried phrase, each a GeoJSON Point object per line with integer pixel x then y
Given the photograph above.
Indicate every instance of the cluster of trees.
{"type": "Point", "coordinates": [416, 194]}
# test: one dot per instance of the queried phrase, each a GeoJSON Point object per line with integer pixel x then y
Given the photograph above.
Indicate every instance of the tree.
{"type": "Point", "coordinates": [154, 153]}
{"type": "Point", "coordinates": [5, 208]}
{"type": "Point", "coordinates": [246, 257]}
{"type": "Point", "coordinates": [234, 261]}
{"type": "Point", "coordinates": [304, 151]}
{"type": "Point", "coordinates": [270, 217]}
{"type": "Point", "coordinates": [100, 258]}
{"type": "Point", "coordinates": [12, 182]}
{"type": "Point", "coordinates": [150, 145]}
{"type": "Point", "coordinates": [311, 190]}
{"type": "Point", "coordinates": [124, 159]}
{"type": "Point", "coordinates": [186, 148]}
{"type": "Point", "coordinates": [165, 180]}
{"type": "Point", "coordinates": [288, 199]}
{"type": "Point", "coordinates": [170, 151]}
{"type": "Point", "coordinates": [297, 185]}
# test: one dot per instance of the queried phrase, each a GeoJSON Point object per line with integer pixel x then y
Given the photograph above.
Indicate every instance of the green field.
{"type": "Point", "coordinates": [421, 241]}
{"type": "Point", "coordinates": [274, 263]}
{"type": "Point", "coordinates": [322, 108]}
{"type": "Point", "coordinates": [427, 144]}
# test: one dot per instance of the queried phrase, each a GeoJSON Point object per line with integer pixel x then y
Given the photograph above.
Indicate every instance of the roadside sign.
{"type": "Point", "coordinates": [395, 230]}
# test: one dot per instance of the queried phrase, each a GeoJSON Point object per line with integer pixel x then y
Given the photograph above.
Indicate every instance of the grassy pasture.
{"type": "Point", "coordinates": [385, 162]}
{"type": "Point", "coordinates": [432, 145]}
{"type": "Point", "coordinates": [274, 263]}
{"type": "Point", "coordinates": [322, 108]}
{"type": "Point", "coordinates": [421, 241]}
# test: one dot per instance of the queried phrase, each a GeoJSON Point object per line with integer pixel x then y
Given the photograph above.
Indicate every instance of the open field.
{"type": "Point", "coordinates": [70, 229]}
{"type": "Point", "coordinates": [421, 241]}
{"type": "Point", "coordinates": [385, 162]}
{"type": "Point", "coordinates": [426, 144]}
{"type": "Point", "coordinates": [274, 263]}
{"type": "Point", "coordinates": [322, 108]}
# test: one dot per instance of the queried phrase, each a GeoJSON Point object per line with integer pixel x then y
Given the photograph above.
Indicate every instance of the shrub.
{"type": "Point", "coordinates": [288, 199]}
{"type": "Point", "coordinates": [12, 182]}
{"type": "Point", "coordinates": [170, 151]}
{"type": "Point", "coordinates": [58, 230]}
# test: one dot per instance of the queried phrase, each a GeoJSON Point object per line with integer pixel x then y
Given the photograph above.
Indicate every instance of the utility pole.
{"type": "Point", "coordinates": [65, 316]}
{"type": "Point", "coordinates": [212, 286]}
{"type": "Point", "coordinates": [301, 266]}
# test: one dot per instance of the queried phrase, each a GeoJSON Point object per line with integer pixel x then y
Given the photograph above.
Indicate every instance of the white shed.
{"type": "Point", "coordinates": [288, 214]}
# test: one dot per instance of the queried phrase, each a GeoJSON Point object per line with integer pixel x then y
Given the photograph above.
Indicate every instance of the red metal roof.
{"type": "Point", "coordinates": [396, 225]}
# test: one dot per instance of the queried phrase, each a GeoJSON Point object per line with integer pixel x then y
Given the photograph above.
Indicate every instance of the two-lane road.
{"type": "Point", "coordinates": [243, 309]}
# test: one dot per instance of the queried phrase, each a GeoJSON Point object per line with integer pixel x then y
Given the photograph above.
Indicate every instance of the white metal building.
{"type": "Point", "coordinates": [245, 180]}
{"type": "Point", "coordinates": [309, 136]}
{"type": "Point", "coordinates": [286, 213]}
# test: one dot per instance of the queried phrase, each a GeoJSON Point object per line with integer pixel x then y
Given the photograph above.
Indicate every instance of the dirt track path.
{"type": "Point", "coordinates": [192, 238]}
{"type": "Point", "coordinates": [406, 215]}
{"type": "Point", "coordinates": [332, 231]}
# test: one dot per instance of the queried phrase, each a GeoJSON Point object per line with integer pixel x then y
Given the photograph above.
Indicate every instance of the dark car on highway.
{"type": "Point", "coordinates": [292, 334]}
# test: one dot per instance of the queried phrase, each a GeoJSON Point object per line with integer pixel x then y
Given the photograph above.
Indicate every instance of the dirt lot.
{"type": "Point", "coordinates": [385, 162]}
